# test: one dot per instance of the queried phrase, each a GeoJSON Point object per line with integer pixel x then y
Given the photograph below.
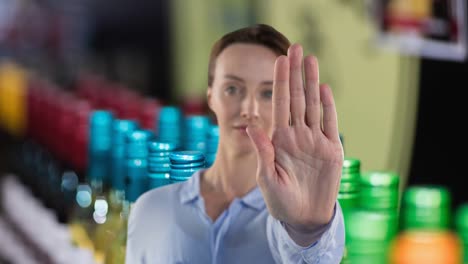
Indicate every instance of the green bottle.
{"type": "Point", "coordinates": [348, 195]}
{"type": "Point", "coordinates": [368, 236]}
{"type": "Point", "coordinates": [426, 234]}
{"type": "Point", "coordinates": [380, 191]}
{"type": "Point", "coordinates": [461, 225]}
{"type": "Point", "coordinates": [372, 225]}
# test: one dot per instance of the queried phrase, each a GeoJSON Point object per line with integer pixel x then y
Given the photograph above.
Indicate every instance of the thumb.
{"type": "Point", "coordinates": [263, 146]}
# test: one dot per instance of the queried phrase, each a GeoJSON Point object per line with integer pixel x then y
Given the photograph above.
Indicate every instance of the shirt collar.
{"type": "Point", "coordinates": [254, 199]}
{"type": "Point", "coordinates": [190, 191]}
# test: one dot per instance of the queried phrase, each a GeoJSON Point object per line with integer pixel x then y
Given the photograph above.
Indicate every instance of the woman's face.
{"type": "Point", "coordinates": [241, 92]}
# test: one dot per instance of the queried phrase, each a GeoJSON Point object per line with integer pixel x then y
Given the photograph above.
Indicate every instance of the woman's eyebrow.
{"type": "Point", "coordinates": [236, 78]}
{"type": "Point", "coordinates": [233, 77]}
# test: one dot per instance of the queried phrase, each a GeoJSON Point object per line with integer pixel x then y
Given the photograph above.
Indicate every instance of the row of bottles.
{"type": "Point", "coordinates": [105, 147]}
{"type": "Point", "coordinates": [94, 151]}
{"type": "Point", "coordinates": [384, 226]}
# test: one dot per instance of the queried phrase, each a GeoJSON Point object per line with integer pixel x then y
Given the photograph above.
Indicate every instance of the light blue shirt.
{"type": "Point", "coordinates": [169, 225]}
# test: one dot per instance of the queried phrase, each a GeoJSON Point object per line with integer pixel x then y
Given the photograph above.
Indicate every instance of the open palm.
{"type": "Point", "coordinates": [299, 168]}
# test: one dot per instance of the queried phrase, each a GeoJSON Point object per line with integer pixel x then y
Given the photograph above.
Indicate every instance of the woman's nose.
{"type": "Point", "coordinates": [249, 108]}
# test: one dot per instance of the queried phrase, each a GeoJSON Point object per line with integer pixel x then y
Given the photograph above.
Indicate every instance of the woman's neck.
{"type": "Point", "coordinates": [232, 174]}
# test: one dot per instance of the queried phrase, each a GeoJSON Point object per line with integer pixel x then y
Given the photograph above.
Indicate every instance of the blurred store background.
{"type": "Point", "coordinates": [71, 71]}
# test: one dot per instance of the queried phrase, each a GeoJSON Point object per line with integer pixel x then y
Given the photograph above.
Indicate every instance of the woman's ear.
{"type": "Point", "coordinates": [208, 97]}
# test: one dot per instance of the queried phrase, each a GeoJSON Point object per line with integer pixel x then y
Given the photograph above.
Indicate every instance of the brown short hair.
{"type": "Point", "coordinates": [260, 34]}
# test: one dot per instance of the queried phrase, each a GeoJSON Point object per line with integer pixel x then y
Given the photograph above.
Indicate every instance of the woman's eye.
{"type": "Point", "coordinates": [267, 94]}
{"type": "Point", "coordinates": [231, 90]}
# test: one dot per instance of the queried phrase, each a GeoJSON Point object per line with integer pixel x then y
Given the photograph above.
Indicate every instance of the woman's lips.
{"type": "Point", "coordinates": [241, 128]}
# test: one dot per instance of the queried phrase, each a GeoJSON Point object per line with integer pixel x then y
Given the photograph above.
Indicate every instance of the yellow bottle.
{"type": "Point", "coordinates": [115, 253]}
{"type": "Point", "coordinates": [13, 90]}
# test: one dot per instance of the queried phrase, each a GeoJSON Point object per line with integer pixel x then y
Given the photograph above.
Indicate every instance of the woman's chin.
{"type": "Point", "coordinates": [243, 147]}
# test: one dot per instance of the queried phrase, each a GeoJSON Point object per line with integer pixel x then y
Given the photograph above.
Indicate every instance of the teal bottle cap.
{"type": "Point", "coordinates": [170, 114]}
{"type": "Point", "coordinates": [186, 156]}
{"type": "Point", "coordinates": [197, 122]}
{"type": "Point", "coordinates": [181, 173]}
{"type": "Point", "coordinates": [120, 128]}
{"type": "Point", "coordinates": [198, 164]}
{"type": "Point", "coordinates": [100, 131]}
{"type": "Point", "coordinates": [158, 146]}
{"type": "Point", "coordinates": [101, 118]}
{"type": "Point", "coordinates": [138, 136]}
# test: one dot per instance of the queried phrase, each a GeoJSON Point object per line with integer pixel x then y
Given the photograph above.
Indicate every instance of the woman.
{"type": "Point", "coordinates": [271, 194]}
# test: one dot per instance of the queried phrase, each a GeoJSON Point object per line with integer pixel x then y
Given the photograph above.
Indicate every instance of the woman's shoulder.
{"type": "Point", "coordinates": [159, 197]}
{"type": "Point", "coordinates": [166, 200]}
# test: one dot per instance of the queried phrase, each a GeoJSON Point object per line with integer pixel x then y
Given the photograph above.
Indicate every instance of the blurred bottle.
{"type": "Point", "coordinates": [115, 252]}
{"type": "Point", "coordinates": [159, 165]}
{"type": "Point", "coordinates": [99, 150]}
{"type": "Point", "coordinates": [461, 225]}
{"type": "Point", "coordinates": [371, 228]}
{"type": "Point", "coordinates": [13, 99]}
{"type": "Point", "coordinates": [136, 184]}
{"type": "Point", "coordinates": [426, 235]}
{"type": "Point", "coordinates": [368, 235]}
{"type": "Point", "coordinates": [107, 230]}
{"type": "Point", "coordinates": [380, 191]}
{"type": "Point", "coordinates": [92, 204]}
{"type": "Point", "coordinates": [348, 195]}
{"type": "Point", "coordinates": [170, 126]}
{"type": "Point", "coordinates": [350, 184]}
{"type": "Point", "coordinates": [81, 223]}
{"type": "Point", "coordinates": [184, 164]}
{"type": "Point", "coordinates": [195, 132]}
{"type": "Point", "coordinates": [136, 179]}
{"type": "Point", "coordinates": [121, 129]}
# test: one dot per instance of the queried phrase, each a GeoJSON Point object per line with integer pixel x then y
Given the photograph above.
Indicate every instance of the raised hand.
{"type": "Point", "coordinates": [299, 168]}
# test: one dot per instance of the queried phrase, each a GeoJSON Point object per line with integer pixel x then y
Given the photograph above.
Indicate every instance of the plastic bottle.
{"type": "Point", "coordinates": [159, 165]}
{"type": "Point", "coordinates": [426, 235]}
{"type": "Point", "coordinates": [184, 164]}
